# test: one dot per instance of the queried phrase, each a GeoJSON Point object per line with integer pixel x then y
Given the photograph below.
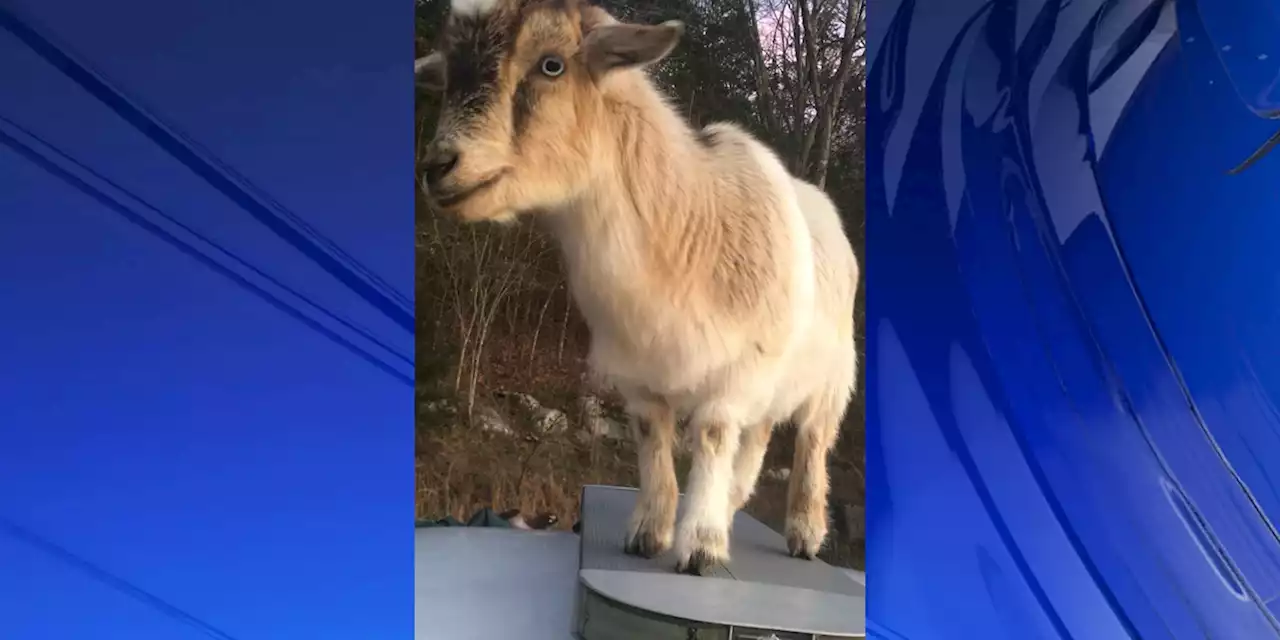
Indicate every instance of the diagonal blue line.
{"type": "Point", "coordinates": [362, 331]}
{"type": "Point", "coordinates": [201, 167]}
{"type": "Point", "coordinates": [132, 216]}
{"type": "Point", "coordinates": [109, 579]}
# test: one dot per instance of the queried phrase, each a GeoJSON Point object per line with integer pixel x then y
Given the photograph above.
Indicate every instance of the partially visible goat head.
{"type": "Point", "coordinates": [520, 120]}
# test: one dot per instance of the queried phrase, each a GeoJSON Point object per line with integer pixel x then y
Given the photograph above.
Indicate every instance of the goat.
{"type": "Point", "coordinates": [716, 286]}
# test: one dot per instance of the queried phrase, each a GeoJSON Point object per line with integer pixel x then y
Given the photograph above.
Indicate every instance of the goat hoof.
{"type": "Point", "coordinates": [700, 563]}
{"type": "Point", "coordinates": [802, 554]}
{"type": "Point", "coordinates": [645, 544]}
{"type": "Point", "coordinates": [798, 547]}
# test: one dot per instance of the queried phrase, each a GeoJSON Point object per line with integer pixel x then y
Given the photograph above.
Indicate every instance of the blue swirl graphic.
{"type": "Point", "coordinates": [1074, 320]}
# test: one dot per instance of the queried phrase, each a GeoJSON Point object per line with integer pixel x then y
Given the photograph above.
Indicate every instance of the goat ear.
{"type": "Point", "coordinates": [613, 46]}
{"type": "Point", "coordinates": [594, 17]}
{"type": "Point", "coordinates": [430, 71]}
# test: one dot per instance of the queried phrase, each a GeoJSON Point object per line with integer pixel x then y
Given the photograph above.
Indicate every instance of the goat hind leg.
{"type": "Point", "coordinates": [747, 463]}
{"type": "Point", "coordinates": [652, 525]}
{"type": "Point", "coordinates": [809, 485]}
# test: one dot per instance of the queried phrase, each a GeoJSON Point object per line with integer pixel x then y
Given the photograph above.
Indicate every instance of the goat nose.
{"type": "Point", "coordinates": [439, 162]}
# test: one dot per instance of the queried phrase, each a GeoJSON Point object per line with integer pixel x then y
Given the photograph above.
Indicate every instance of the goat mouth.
{"type": "Point", "coordinates": [450, 199]}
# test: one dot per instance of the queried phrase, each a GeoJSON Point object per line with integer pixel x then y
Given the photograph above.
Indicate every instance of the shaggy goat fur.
{"type": "Point", "coordinates": [715, 284]}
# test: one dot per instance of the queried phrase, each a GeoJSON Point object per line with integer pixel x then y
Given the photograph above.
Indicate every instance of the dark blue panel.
{"type": "Point", "coordinates": [1208, 277]}
{"type": "Point", "coordinates": [1243, 38]}
{"type": "Point", "coordinates": [178, 457]}
{"type": "Point", "coordinates": [1071, 397]}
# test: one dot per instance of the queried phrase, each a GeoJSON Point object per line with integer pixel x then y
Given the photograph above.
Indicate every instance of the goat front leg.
{"type": "Point", "coordinates": [702, 539]}
{"type": "Point", "coordinates": [653, 521]}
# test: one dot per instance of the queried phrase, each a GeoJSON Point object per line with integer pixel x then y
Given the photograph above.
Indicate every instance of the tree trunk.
{"type": "Point", "coordinates": [798, 101]}
{"type": "Point", "coordinates": [854, 29]}
{"type": "Point", "coordinates": [805, 34]}
{"type": "Point", "coordinates": [769, 117]}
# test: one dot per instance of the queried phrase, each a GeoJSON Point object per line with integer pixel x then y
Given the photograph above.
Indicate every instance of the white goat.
{"type": "Point", "coordinates": [715, 284]}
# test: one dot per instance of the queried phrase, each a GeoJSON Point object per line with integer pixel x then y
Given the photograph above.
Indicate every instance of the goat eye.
{"type": "Point", "coordinates": [551, 66]}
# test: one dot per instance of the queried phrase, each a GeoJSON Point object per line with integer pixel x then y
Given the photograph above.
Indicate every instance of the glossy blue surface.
{"type": "Point", "coordinates": [179, 458]}
{"type": "Point", "coordinates": [1074, 320]}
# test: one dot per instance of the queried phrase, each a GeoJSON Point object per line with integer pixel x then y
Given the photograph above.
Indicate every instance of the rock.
{"type": "Point", "coordinates": [551, 421]}
{"type": "Point", "coordinates": [438, 406]}
{"type": "Point", "coordinates": [544, 419]}
{"type": "Point", "coordinates": [488, 419]}
{"type": "Point", "coordinates": [527, 402]}
{"type": "Point", "coordinates": [777, 475]}
{"type": "Point", "coordinates": [596, 423]}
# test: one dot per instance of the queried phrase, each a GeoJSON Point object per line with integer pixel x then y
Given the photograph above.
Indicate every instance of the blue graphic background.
{"type": "Point", "coordinates": [1074, 320]}
{"type": "Point", "coordinates": [178, 457]}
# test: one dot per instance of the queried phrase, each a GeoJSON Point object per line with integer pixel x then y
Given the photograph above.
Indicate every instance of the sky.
{"type": "Point", "coordinates": [179, 458]}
